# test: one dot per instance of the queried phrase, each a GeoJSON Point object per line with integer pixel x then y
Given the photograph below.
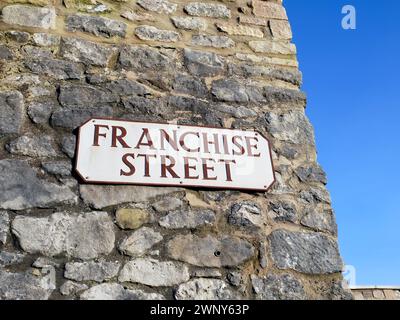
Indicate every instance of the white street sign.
{"type": "Point", "coordinates": [127, 152]}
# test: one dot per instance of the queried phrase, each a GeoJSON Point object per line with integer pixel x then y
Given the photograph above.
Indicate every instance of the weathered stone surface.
{"type": "Point", "coordinates": [39, 111]}
{"type": "Point", "coordinates": [320, 220]}
{"type": "Point", "coordinates": [43, 262]}
{"type": "Point", "coordinates": [10, 258]}
{"type": "Point", "coordinates": [253, 20]}
{"type": "Point", "coordinates": [18, 179]}
{"type": "Point", "coordinates": [91, 270]}
{"type": "Point", "coordinates": [210, 251]}
{"type": "Point", "coordinates": [139, 242]}
{"type": "Point", "coordinates": [17, 36]}
{"type": "Point", "coordinates": [89, 53]}
{"type": "Point", "coordinates": [4, 226]}
{"type": "Point", "coordinates": [85, 236]}
{"type": "Point", "coordinates": [154, 34]}
{"type": "Point", "coordinates": [154, 273]}
{"type": "Point", "coordinates": [287, 97]}
{"type": "Point", "coordinates": [212, 10]}
{"type": "Point", "coordinates": [236, 111]}
{"type": "Point", "coordinates": [203, 63]}
{"type": "Point", "coordinates": [188, 219]}
{"type": "Point", "coordinates": [245, 214]}
{"type": "Point", "coordinates": [269, 10]}
{"type": "Point", "coordinates": [68, 145]}
{"type": "Point", "coordinates": [33, 146]}
{"type": "Point", "coordinates": [205, 40]}
{"type": "Point", "coordinates": [143, 58]}
{"type": "Point", "coordinates": [84, 96]}
{"type": "Point", "coordinates": [73, 118]}
{"type": "Point", "coordinates": [60, 168]}
{"type": "Point", "coordinates": [127, 87]}
{"type": "Point", "coordinates": [99, 196]}
{"type": "Point", "coordinates": [71, 288]}
{"type": "Point", "coordinates": [278, 287]}
{"type": "Point", "coordinates": [59, 69]}
{"type": "Point", "coordinates": [205, 289]}
{"type": "Point", "coordinates": [11, 111]}
{"type": "Point", "coordinates": [99, 26]}
{"type": "Point", "coordinates": [30, 16]}
{"type": "Point", "coordinates": [189, 85]}
{"type": "Point", "coordinates": [132, 218]}
{"type": "Point", "coordinates": [230, 90]}
{"type": "Point", "coordinates": [311, 253]}
{"type": "Point", "coordinates": [279, 61]}
{"type": "Point", "coordinates": [167, 204]}
{"type": "Point", "coordinates": [159, 6]}
{"type": "Point", "coordinates": [280, 29]}
{"type": "Point", "coordinates": [205, 273]}
{"type": "Point", "coordinates": [132, 15]}
{"type": "Point", "coordinates": [293, 127]}
{"type": "Point", "coordinates": [239, 30]}
{"type": "Point", "coordinates": [189, 23]}
{"type": "Point", "coordinates": [311, 173]}
{"type": "Point", "coordinates": [46, 39]}
{"type": "Point", "coordinates": [25, 286]}
{"type": "Point", "coordinates": [315, 195]}
{"type": "Point", "coordinates": [115, 291]}
{"type": "Point", "coordinates": [273, 47]}
{"type": "Point", "coordinates": [5, 53]}
{"type": "Point", "coordinates": [283, 211]}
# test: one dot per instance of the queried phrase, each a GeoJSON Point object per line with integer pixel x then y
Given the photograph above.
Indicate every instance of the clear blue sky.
{"type": "Point", "coordinates": [352, 79]}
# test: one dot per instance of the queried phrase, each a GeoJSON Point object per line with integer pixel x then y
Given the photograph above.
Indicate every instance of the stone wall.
{"type": "Point", "coordinates": [217, 63]}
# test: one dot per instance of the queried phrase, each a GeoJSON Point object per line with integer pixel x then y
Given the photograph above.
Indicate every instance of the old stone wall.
{"type": "Point", "coordinates": [217, 63]}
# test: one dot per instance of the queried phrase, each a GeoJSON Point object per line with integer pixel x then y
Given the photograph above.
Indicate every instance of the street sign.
{"type": "Point", "coordinates": [128, 152]}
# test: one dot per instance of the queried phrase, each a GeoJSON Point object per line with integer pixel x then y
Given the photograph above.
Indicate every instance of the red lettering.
{"type": "Point", "coordinates": [182, 141]}
{"type": "Point", "coordinates": [207, 168]}
{"type": "Point", "coordinates": [118, 137]}
{"type": "Point", "coordinates": [128, 164]}
{"type": "Point", "coordinates": [165, 167]}
{"type": "Point", "coordinates": [228, 168]}
{"type": "Point", "coordinates": [97, 134]}
{"type": "Point", "coordinates": [251, 146]}
{"type": "Point", "coordinates": [149, 142]}
{"type": "Point", "coordinates": [147, 163]}
{"type": "Point", "coordinates": [189, 167]}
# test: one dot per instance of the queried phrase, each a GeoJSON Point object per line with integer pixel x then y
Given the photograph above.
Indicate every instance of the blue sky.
{"type": "Point", "coordinates": [352, 79]}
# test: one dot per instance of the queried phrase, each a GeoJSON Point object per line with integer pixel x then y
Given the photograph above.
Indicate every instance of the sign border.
{"type": "Point", "coordinates": [87, 181]}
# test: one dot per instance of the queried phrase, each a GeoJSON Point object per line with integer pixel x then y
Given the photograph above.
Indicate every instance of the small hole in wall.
{"type": "Point", "coordinates": [217, 253]}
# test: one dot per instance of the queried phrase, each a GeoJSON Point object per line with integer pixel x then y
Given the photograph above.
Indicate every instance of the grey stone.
{"type": "Point", "coordinates": [311, 253]}
{"type": "Point", "coordinates": [145, 32]}
{"type": "Point", "coordinates": [139, 242]}
{"type": "Point", "coordinates": [263, 256]}
{"type": "Point", "coordinates": [25, 286]}
{"type": "Point", "coordinates": [98, 196]}
{"type": "Point", "coordinates": [204, 64]}
{"type": "Point", "coordinates": [115, 291]}
{"type": "Point", "coordinates": [154, 273]}
{"type": "Point", "coordinates": [142, 107]}
{"type": "Point", "coordinates": [315, 195]}
{"type": "Point", "coordinates": [281, 96]}
{"type": "Point", "coordinates": [73, 118]}
{"type": "Point", "coordinates": [11, 111]}
{"type": "Point", "coordinates": [46, 39]}
{"type": "Point", "coordinates": [205, 289]}
{"type": "Point", "coordinates": [159, 6]}
{"type": "Point", "coordinates": [234, 278]}
{"type": "Point", "coordinates": [239, 112]}
{"type": "Point", "coordinates": [69, 288]}
{"type": "Point", "coordinates": [59, 69]}
{"type": "Point", "coordinates": [281, 210]}
{"type": "Point", "coordinates": [4, 226]}
{"type": "Point", "coordinates": [5, 53]}
{"type": "Point", "coordinates": [61, 168]}
{"type": "Point", "coordinates": [18, 36]}
{"type": "Point", "coordinates": [85, 96]}
{"type": "Point", "coordinates": [189, 23]}
{"type": "Point", "coordinates": [167, 204]}
{"type": "Point", "coordinates": [209, 251]}
{"type": "Point", "coordinates": [68, 145]}
{"type": "Point", "coordinates": [230, 91]}
{"type": "Point", "coordinates": [193, 218]}
{"type": "Point", "coordinates": [189, 85]}
{"type": "Point", "coordinates": [206, 273]}
{"type": "Point", "coordinates": [207, 10]}
{"type": "Point", "coordinates": [18, 179]}
{"type": "Point", "coordinates": [293, 127]}
{"type": "Point", "coordinates": [21, 79]}
{"type": "Point", "coordinates": [91, 270]}
{"type": "Point", "coordinates": [143, 58]}
{"type": "Point", "coordinates": [39, 111]}
{"type": "Point", "coordinates": [39, 146]}
{"type": "Point", "coordinates": [126, 87]}
{"type": "Point", "coordinates": [99, 26]}
{"type": "Point", "coordinates": [311, 173]}
{"type": "Point", "coordinates": [245, 214]}
{"type": "Point", "coordinates": [213, 41]}
{"type": "Point", "coordinates": [85, 236]}
{"type": "Point", "coordinates": [10, 258]}
{"type": "Point", "coordinates": [278, 287]}
{"type": "Point", "coordinates": [43, 262]}
{"type": "Point", "coordinates": [320, 220]}
{"type": "Point", "coordinates": [30, 52]}
{"type": "Point", "coordinates": [89, 53]}
{"type": "Point", "coordinates": [30, 16]}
